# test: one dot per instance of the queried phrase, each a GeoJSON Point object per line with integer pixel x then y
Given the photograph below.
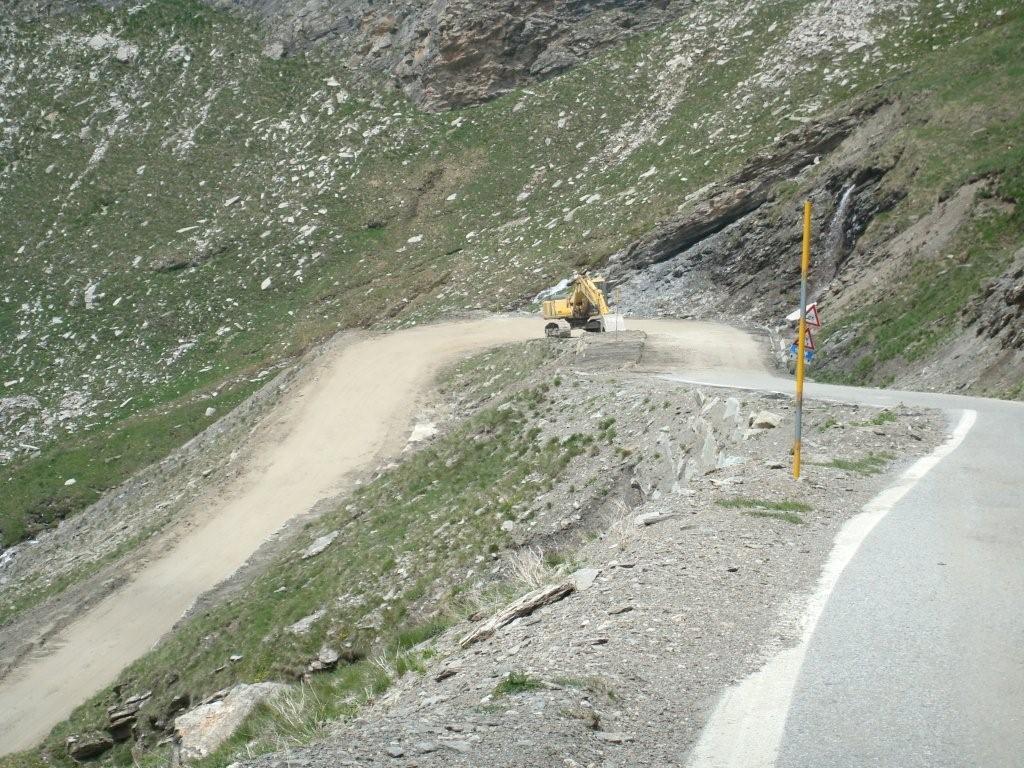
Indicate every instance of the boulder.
{"type": "Point", "coordinates": [651, 518]}
{"type": "Point", "coordinates": [319, 545]}
{"type": "Point", "coordinates": [125, 53]}
{"type": "Point", "coordinates": [584, 578]}
{"type": "Point", "coordinates": [88, 745]}
{"type": "Point", "coordinates": [303, 625]}
{"type": "Point", "coordinates": [201, 730]}
{"type": "Point", "coordinates": [764, 420]}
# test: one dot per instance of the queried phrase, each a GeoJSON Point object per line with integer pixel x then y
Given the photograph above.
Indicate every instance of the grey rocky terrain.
{"type": "Point", "coordinates": [675, 594]}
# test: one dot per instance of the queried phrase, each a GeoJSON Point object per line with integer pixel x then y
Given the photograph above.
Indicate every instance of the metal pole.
{"type": "Point", "coordinates": [805, 263]}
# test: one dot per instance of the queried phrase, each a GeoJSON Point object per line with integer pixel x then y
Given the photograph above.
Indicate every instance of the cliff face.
{"type": "Point", "coordinates": [448, 53]}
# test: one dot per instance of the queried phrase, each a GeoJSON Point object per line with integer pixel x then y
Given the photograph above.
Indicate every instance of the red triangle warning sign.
{"type": "Point", "coordinates": [808, 340]}
{"type": "Point", "coordinates": [812, 318]}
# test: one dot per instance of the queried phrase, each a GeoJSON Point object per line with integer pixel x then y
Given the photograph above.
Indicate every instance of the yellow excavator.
{"type": "Point", "coordinates": [584, 306]}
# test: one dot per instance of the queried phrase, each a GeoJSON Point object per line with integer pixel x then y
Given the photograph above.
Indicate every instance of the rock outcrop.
{"type": "Point", "coordinates": [201, 730]}
{"type": "Point", "coordinates": [998, 313]}
{"type": "Point", "coordinates": [449, 54]}
{"type": "Point", "coordinates": [442, 53]}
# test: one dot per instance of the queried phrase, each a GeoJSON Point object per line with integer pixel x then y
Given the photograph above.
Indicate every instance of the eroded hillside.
{"type": "Point", "coordinates": [183, 211]}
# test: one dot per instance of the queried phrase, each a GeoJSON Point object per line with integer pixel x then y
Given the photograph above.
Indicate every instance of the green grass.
{"type": "Point", "coordinates": [884, 416]}
{"type": "Point", "coordinates": [741, 502]}
{"type": "Point", "coordinates": [592, 683]}
{"type": "Point", "coordinates": [785, 510]}
{"type": "Point", "coordinates": [35, 494]}
{"type": "Point", "coordinates": [517, 682]}
{"type": "Point", "coordinates": [871, 464]}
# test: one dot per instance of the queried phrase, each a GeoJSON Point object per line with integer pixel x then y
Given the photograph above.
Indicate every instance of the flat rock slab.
{"type": "Point", "coordinates": [203, 729]}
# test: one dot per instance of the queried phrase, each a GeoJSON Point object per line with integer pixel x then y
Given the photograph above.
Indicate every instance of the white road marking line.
{"type": "Point", "coordinates": [746, 728]}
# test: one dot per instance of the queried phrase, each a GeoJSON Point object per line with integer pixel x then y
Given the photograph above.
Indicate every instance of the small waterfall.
{"type": "Point", "coordinates": [837, 226]}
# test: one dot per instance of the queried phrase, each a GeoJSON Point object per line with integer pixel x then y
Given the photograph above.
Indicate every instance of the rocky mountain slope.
{"type": "Point", "coordinates": [196, 194]}
{"type": "Point", "coordinates": [653, 507]}
{"type": "Point", "coordinates": [185, 211]}
{"type": "Point", "coordinates": [441, 54]}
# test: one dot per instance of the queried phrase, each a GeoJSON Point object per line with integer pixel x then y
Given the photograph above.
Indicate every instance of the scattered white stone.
{"type": "Point", "coordinates": [415, 239]}
{"type": "Point", "coordinates": [650, 518]}
{"type": "Point", "coordinates": [70, 481]}
{"type": "Point", "coordinates": [303, 625]}
{"type": "Point", "coordinates": [584, 578]}
{"type": "Point", "coordinates": [90, 295]}
{"type": "Point", "coordinates": [320, 544]}
{"type": "Point", "coordinates": [210, 411]}
{"type": "Point", "coordinates": [764, 420]}
{"type": "Point", "coordinates": [265, 284]}
{"type": "Point", "coordinates": [126, 53]}
{"type": "Point", "coordinates": [231, 201]}
{"type": "Point", "coordinates": [423, 431]}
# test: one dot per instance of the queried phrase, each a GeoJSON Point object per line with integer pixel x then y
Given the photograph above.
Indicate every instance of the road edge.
{"type": "Point", "coordinates": [746, 727]}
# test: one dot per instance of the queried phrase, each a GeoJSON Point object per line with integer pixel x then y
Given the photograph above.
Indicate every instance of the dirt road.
{"type": "Point", "coordinates": [351, 410]}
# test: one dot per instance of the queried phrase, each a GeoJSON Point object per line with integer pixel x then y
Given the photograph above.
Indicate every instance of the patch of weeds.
{"type": "Point", "coordinates": [517, 682]}
{"type": "Point", "coordinates": [593, 684]}
{"type": "Point", "coordinates": [882, 417]}
{"type": "Point", "coordinates": [871, 464]}
{"type": "Point", "coordinates": [789, 517]}
{"type": "Point", "coordinates": [587, 715]}
{"type": "Point", "coordinates": [741, 502]}
{"type": "Point", "coordinates": [828, 424]}
{"type": "Point", "coordinates": [420, 633]}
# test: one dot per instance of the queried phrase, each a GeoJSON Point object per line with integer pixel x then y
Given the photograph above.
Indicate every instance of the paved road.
{"type": "Point", "coordinates": [915, 656]}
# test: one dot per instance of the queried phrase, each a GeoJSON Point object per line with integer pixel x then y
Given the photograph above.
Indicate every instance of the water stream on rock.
{"type": "Point", "coordinates": [838, 223]}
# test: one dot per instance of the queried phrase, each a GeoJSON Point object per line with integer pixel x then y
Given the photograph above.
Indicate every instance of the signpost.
{"type": "Point", "coordinates": [802, 333]}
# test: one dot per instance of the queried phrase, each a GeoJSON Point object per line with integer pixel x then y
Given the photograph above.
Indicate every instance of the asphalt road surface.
{"type": "Point", "coordinates": [913, 653]}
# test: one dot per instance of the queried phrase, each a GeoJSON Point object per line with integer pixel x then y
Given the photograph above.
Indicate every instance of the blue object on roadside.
{"type": "Point", "coordinates": [808, 353]}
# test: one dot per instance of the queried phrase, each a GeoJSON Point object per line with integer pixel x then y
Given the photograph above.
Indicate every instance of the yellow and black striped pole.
{"type": "Point", "coordinates": [805, 263]}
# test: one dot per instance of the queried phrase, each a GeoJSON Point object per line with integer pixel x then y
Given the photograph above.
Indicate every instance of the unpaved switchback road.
{"type": "Point", "coordinates": [352, 411]}
{"type": "Point", "coordinates": [912, 653]}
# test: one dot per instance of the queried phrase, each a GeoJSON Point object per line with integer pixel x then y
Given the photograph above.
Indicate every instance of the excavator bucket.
{"type": "Point", "coordinates": [613, 322]}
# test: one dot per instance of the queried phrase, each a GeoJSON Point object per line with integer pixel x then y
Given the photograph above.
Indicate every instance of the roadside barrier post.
{"type": "Point", "coordinates": [805, 262]}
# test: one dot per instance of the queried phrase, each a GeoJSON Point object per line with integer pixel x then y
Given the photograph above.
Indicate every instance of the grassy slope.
{"type": "Point", "coordinates": [966, 122]}
{"type": "Point", "coordinates": [112, 170]}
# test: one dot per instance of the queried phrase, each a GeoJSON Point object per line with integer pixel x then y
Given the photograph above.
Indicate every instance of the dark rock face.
{"type": "Point", "coordinates": [449, 53]}
{"type": "Point", "coordinates": [442, 53]}
{"type": "Point", "coordinates": [998, 313]}
{"type": "Point", "coordinates": [723, 254]}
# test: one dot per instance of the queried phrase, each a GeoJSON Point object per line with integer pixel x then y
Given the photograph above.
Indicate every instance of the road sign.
{"type": "Point", "coordinates": [812, 318]}
{"type": "Point", "coordinates": [808, 340]}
